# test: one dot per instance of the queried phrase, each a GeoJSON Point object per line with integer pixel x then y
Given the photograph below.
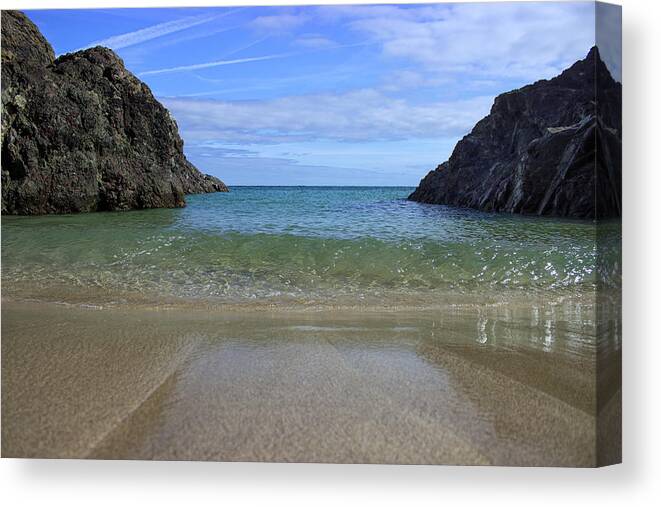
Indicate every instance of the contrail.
{"type": "Point", "coordinates": [247, 46]}
{"type": "Point", "coordinates": [152, 32]}
{"type": "Point", "coordinates": [220, 63]}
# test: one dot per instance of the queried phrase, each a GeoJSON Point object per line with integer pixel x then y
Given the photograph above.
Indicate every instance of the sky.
{"type": "Point", "coordinates": [330, 95]}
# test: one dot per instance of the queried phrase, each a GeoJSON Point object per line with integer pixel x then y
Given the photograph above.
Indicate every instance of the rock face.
{"type": "Point", "coordinates": [81, 133]}
{"type": "Point", "coordinates": [550, 148]}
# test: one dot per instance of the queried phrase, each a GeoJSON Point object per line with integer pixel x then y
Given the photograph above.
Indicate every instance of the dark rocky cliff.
{"type": "Point", "coordinates": [81, 133]}
{"type": "Point", "coordinates": [550, 148]}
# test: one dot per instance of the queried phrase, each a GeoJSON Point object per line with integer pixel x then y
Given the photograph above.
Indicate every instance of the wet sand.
{"type": "Point", "coordinates": [505, 385]}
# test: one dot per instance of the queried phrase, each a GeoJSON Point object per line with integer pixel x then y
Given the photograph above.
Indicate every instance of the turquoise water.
{"type": "Point", "coordinates": [299, 242]}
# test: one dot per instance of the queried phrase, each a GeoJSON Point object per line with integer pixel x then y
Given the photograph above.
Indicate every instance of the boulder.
{"type": "Point", "coordinates": [81, 133]}
{"type": "Point", "coordinates": [550, 148]}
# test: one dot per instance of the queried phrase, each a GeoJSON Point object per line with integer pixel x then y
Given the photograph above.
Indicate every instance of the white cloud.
{"type": "Point", "coordinates": [151, 32]}
{"type": "Point", "coordinates": [406, 79]}
{"type": "Point", "coordinates": [360, 115]}
{"type": "Point", "coordinates": [314, 41]}
{"type": "Point", "coordinates": [530, 40]}
{"type": "Point", "coordinates": [279, 23]}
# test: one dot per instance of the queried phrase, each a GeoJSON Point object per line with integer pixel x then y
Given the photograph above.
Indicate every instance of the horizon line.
{"type": "Point", "coordinates": [323, 186]}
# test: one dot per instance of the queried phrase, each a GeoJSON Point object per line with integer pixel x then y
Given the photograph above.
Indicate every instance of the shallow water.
{"type": "Point", "coordinates": [300, 244]}
{"type": "Point", "coordinates": [311, 324]}
{"type": "Point", "coordinates": [334, 386]}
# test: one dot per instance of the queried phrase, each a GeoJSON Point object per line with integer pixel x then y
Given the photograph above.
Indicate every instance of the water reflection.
{"type": "Point", "coordinates": [566, 325]}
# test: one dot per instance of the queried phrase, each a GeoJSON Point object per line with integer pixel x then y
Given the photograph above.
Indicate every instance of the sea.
{"type": "Point", "coordinates": [305, 245]}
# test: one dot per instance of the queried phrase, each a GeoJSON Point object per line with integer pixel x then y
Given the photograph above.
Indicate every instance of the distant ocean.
{"type": "Point", "coordinates": [298, 244]}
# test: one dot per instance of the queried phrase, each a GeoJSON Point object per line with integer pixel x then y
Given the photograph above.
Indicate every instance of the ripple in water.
{"type": "Point", "coordinates": [307, 243]}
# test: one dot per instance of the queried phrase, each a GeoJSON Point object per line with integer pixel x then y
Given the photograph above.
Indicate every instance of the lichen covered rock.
{"type": "Point", "coordinates": [81, 133]}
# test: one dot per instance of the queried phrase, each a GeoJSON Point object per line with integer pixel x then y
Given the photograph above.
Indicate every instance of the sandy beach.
{"type": "Point", "coordinates": [499, 384]}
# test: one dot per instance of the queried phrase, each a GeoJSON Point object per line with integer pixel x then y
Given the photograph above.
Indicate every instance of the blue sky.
{"type": "Point", "coordinates": [334, 95]}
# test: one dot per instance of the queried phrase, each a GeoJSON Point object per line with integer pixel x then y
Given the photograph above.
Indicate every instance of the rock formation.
{"type": "Point", "coordinates": [81, 133]}
{"type": "Point", "coordinates": [550, 148]}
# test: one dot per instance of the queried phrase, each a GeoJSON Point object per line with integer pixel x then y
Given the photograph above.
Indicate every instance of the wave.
{"type": "Point", "coordinates": [257, 243]}
{"type": "Point", "coordinates": [236, 265]}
